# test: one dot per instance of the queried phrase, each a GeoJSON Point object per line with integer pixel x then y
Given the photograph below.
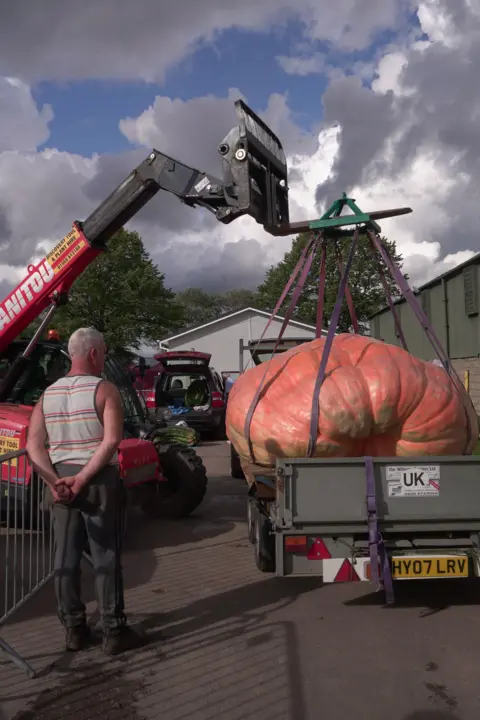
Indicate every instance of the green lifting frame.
{"type": "Point", "coordinates": [333, 221]}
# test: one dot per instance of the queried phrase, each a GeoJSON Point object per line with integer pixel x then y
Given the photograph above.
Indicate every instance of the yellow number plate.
{"type": "Point", "coordinates": [435, 566]}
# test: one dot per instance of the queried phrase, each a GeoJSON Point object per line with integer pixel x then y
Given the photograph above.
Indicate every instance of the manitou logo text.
{"type": "Point", "coordinates": [25, 293]}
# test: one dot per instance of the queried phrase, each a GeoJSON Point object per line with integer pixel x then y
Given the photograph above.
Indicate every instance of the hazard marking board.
{"type": "Point", "coordinates": [346, 570]}
{"type": "Point", "coordinates": [413, 481]}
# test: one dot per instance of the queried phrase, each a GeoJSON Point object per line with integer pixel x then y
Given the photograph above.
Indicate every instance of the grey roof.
{"type": "Point", "coordinates": [296, 323]}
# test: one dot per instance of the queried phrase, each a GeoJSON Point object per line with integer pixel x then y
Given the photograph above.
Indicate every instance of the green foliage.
{"type": "Point", "coordinates": [200, 307]}
{"type": "Point", "coordinates": [122, 294]}
{"type": "Point", "coordinates": [364, 283]}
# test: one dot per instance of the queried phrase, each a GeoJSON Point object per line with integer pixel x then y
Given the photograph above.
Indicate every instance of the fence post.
{"type": "Point", "coordinates": [25, 542]}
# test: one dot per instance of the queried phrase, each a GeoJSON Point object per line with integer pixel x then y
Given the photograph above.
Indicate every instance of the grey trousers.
{"type": "Point", "coordinates": [97, 514]}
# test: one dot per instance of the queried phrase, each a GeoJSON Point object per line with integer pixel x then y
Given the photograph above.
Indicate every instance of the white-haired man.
{"type": "Point", "coordinates": [81, 418]}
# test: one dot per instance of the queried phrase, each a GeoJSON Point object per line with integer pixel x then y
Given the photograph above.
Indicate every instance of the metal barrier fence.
{"type": "Point", "coordinates": [26, 541]}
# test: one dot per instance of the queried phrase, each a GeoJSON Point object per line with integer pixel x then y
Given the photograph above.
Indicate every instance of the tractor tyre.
{"type": "Point", "coordinates": [185, 487]}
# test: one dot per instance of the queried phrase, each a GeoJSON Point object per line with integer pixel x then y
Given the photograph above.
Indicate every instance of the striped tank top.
{"type": "Point", "coordinates": [73, 427]}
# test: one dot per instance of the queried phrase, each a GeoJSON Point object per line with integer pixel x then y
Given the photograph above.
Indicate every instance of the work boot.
{"type": "Point", "coordinates": [120, 640]}
{"type": "Point", "coordinates": [77, 637]}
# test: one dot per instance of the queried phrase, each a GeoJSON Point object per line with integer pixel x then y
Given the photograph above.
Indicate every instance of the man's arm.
{"type": "Point", "coordinates": [110, 409]}
{"type": "Point", "coordinates": [36, 446]}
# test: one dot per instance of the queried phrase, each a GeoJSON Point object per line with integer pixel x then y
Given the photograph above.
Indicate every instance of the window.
{"type": "Point", "coordinates": [425, 299]}
{"type": "Point", "coordinates": [132, 406]}
{"type": "Point", "coordinates": [470, 290]}
{"type": "Point", "coordinates": [178, 382]}
{"type": "Point", "coordinates": [47, 365]}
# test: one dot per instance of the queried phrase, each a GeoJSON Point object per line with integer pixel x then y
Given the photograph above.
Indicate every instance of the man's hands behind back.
{"type": "Point", "coordinates": [67, 488]}
{"type": "Point", "coordinates": [61, 492]}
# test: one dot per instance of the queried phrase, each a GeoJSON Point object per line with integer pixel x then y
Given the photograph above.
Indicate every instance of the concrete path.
{"type": "Point", "coordinates": [225, 641]}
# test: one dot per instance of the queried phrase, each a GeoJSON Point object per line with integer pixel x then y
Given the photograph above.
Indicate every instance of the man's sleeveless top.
{"type": "Point", "coordinates": [73, 427]}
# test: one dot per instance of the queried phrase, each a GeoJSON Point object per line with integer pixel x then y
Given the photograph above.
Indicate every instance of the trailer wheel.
{"type": "Point", "coordinates": [219, 432]}
{"type": "Point", "coordinates": [251, 513]}
{"type": "Point", "coordinates": [236, 470]}
{"type": "Point", "coordinates": [185, 489]}
{"type": "Point", "coordinates": [264, 544]}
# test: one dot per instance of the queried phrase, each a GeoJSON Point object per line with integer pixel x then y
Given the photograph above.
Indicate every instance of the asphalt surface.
{"type": "Point", "coordinates": [222, 640]}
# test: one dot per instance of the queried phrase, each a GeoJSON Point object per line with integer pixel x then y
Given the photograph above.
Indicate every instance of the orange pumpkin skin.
{"type": "Point", "coordinates": [376, 399]}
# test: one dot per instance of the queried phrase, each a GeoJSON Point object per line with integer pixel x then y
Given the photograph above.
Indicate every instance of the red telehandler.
{"type": "Point", "coordinates": [167, 480]}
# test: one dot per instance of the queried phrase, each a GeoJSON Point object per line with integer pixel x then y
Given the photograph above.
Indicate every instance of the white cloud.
{"type": "Point", "coordinates": [40, 196]}
{"type": "Point", "coordinates": [425, 186]}
{"type": "Point", "coordinates": [412, 139]}
{"type": "Point", "coordinates": [23, 126]}
{"type": "Point", "coordinates": [65, 39]}
{"type": "Point", "coordinates": [303, 64]}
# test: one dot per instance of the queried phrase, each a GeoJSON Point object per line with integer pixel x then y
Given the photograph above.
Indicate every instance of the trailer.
{"type": "Point", "coordinates": [361, 519]}
{"type": "Point", "coordinates": [348, 519]}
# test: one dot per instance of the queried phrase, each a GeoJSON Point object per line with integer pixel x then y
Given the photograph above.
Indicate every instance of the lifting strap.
{"type": "Point", "coordinates": [315, 410]}
{"type": "Point", "coordinates": [424, 322]}
{"type": "Point", "coordinates": [312, 246]}
{"type": "Point", "coordinates": [411, 300]}
{"type": "Point", "coordinates": [348, 294]}
{"type": "Point", "coordinates": [379, 565]}
{"type": "Point", "coordinates": [321, 291]}
{"type": "Point", "coordinates": [396, 318]}
{"type": "Point", "coordinates": [286, 290]}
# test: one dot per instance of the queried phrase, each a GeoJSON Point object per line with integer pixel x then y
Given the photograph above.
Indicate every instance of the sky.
{"type": "Point", "coordinates": [372, 97]}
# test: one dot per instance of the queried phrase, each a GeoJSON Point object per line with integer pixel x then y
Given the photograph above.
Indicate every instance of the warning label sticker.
{"type": "Point", "coordinates": [410, 481]}
{"type": "Point", "coordinates": [67, 258]}
{"type": "Point", "coordinates": [8, 445]}
{"type": "Point", "coordinates": [64, 245]}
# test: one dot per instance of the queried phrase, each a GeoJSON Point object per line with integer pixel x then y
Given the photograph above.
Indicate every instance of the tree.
{"type": "Point", "coordinates": [364, 282]}
{"type": "Point", "coordinates": [122, 294]}
{"type": "Point", "coordinates": [200, 307]}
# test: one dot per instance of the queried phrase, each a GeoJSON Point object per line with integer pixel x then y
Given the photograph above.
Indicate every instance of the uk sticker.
{"type": "Point", "coordinates": [410, 481]}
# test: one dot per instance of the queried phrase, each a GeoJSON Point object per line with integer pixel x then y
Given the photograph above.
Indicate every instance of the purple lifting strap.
{"type": "Point", "coordinates": [287, 287]}
{"type": "Point", "coordinates": [377, 550]}
{"type": "Point", "coordinates": [293, 303]}
{"type": "Point", "coordinates": [411, 300]}
{"type": "Point", "coordinates": [388, 295]}
{"type": "Point", "coordinates": [348, 295]}
{"type": "Point", "coordinates": [321, 291]}
{"type": "Point", "coordinates": [315, 412]}
{"type": "Point", "coordinates": [424, 321]}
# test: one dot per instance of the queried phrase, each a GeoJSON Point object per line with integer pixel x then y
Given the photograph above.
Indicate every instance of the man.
{"type": "Point", "coordinates": [81, 418]}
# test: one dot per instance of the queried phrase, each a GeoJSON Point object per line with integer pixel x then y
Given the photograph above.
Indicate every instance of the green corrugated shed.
{"type": "Point", "coordinates": [452, 304]}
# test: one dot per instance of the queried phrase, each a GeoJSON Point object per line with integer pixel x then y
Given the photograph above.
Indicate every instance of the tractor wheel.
{"type": "Point", "coordinates": [185, 487]}
{"type": "Point", "coordinates": [236, 470]}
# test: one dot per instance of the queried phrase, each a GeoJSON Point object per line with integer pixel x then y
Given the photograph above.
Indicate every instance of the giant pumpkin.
{"type": "Point", "coordinates": [376, 399]}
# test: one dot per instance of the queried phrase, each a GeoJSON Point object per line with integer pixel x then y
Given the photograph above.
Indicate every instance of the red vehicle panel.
{"type": "Point", "coordinates": [138, 460]}
{"type": "Point", "coordinates": [14, 420]}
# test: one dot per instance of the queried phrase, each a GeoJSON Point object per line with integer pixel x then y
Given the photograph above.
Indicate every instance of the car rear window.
{"type": "Point", "coordinates": [178, 381]}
